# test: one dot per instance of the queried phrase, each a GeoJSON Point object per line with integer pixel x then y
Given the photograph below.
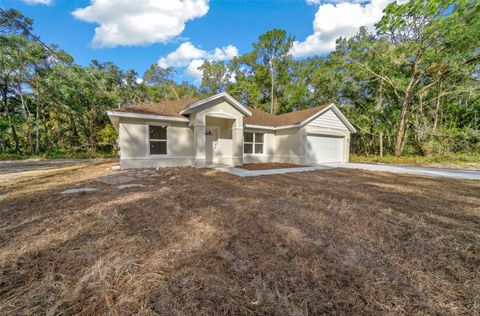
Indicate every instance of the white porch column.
{"type": "Point", "coordinates": [347, 148]}
{"type": "Point", "coordinates": [237, 142]}
{"type": "Point", "coordinates": [199, 141]}
{"type": "Point", "coordinates": [302, 159]}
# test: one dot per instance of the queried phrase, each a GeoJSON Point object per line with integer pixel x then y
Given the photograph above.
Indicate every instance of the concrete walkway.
{"type": "Point", "coordinates": [253, 173]}
{"type": "Point", "coordinates": [425, 171]}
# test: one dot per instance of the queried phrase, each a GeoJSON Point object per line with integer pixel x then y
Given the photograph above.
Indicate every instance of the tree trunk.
{"type": "Point", "coordinates": [37, 130]}
{"type": "Point", "coordinates": [15, 137]}
{"type": "Point", "coordinates": [401, 128]}
{"type": "Point", "coordinates": [400, 141]}
{"type": "Point", "coordinates": [47, 139]}
{"type": "Point", "coordinates": [437, 108]}
{"type": "Point", "coordinates": [272, 97]}
{"type": "Point", "coordinates": [7, 114]}
{"type": "Point", "coordinates": [380, 143]}
{"type": "Point", "coordinates": [27, 118]}
{"type": "Point", "coordinates": [74, 130]}
{"type": "Point", "coordinates": [173, 89]}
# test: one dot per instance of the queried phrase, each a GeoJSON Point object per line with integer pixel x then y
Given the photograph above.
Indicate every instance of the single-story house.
{"type": "Point", "coordinates": [220, 131]}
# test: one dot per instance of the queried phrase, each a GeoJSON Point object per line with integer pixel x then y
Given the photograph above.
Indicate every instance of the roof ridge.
{"type": "Point", "coordinates": [284, 119]}
{"type": "Point", "coordinates": [167, 108]}
{"type": "Point", "coordinates": [295, 111]}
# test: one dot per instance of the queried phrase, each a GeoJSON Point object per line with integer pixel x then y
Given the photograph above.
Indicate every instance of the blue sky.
{"type": "Point", "coordinates": [147, 31]}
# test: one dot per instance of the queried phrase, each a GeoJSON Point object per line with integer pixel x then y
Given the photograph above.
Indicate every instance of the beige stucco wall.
{"type": "Point", "coordinates": [134, 147]}
{"type": "Point", "coordinates": [187, 139]}
{"type": "Point", "coordinates": [222, 113]}
{"type": "Point", "coordinates": [288, 145]}
{"type": "Point", "coordinates": [283, 146]}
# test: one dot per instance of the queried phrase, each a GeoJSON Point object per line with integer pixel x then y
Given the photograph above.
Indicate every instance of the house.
{"type": "Point", "coordinates": [220, 131]}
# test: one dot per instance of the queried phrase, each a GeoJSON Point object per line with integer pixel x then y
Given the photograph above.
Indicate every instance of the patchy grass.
{"type": "Point", "coordinates": [203, 242]}
{"type": "Point", "coordinates": [465, 161]}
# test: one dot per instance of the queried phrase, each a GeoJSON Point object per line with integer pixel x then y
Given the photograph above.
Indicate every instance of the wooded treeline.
{"type": "Point", "coordinates": [414, 80]}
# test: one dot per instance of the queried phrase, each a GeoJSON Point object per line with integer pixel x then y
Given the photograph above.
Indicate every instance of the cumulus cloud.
{"type": "Point", "coordinates": [139, 22]}
{"type": "Point", "coordinates": [45, 2]}
{"type": "Point", "coordinates": [337, 20]}
{"type": "Point", "coordinates": [190, 57]}
{"type": "Point", "coordinates": [317, 2]}
{"type": "Point", "coordinates": [182, 56]}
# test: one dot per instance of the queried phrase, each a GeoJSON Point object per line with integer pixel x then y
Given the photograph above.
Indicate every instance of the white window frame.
{"type": "Point", "coordinates": [167, 126]}
{"type": "Point", "coordinates": [253, 143]}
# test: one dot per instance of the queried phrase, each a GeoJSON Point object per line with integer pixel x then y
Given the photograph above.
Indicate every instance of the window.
{"type": "Point", "coordinates": [253, 143]}
{"type": "Point", "coordinates": [157, 139]}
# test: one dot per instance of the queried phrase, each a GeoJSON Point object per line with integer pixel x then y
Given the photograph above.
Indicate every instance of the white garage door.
{"type": "Point", "coordinates": [322, 148]}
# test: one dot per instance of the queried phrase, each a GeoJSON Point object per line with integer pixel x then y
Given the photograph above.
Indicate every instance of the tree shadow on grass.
{"type": "Point", "coordinates": [310, 243]}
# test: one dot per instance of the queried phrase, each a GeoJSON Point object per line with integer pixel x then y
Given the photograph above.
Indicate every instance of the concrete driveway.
{"type": "Point", "coordinates": [426, 171]}
{"type": "Point", "coordinates": [14, 168]}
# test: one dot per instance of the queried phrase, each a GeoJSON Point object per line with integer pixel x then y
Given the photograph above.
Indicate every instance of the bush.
{"type": "Point", "coordinates": [451, 141]}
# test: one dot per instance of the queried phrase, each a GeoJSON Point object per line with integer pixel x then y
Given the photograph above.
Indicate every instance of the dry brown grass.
{"type": "Point", "coordinates": [323, 242]}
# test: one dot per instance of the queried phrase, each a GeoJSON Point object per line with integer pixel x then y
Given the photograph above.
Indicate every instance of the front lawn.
{"type": "Point", "coordinates": [199, 241]}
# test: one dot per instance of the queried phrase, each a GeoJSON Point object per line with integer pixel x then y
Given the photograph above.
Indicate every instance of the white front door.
{"type": "Point", "coordinates": [323, 148]}
{"type": "Point", "coordinates": [211, 145]}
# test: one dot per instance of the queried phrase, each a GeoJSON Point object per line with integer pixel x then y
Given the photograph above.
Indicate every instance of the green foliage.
{"type": "Point", "coordinates": [262, 78]}
{"type": "Point", "coordinates": [412, 85]}
{"type": "Point", "coordinates": [52, 107]}
{"type": "Point", "coordinates": [215, 77]}
{"type": "Point", "coordinates": [107, 138]}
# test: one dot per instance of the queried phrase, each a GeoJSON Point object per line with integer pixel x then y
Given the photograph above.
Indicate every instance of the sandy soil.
{"type": "Point", "coordinates": [202, 242]}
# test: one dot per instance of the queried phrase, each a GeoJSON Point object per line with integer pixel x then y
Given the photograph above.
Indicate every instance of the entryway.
{"type": "Point", "coordinates": [212, 151]}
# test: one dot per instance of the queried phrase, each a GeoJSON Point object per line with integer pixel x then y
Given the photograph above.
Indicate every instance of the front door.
{"type": "Point", "coordinates": [211, 145]}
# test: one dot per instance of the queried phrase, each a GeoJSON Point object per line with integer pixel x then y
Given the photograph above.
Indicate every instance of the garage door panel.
{"type": "Point", "coordinates": [322, 148]}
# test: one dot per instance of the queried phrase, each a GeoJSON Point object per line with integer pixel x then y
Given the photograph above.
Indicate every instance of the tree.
{"type": "Point", "coordinates": [273, 59]}
{"type": "Point", "coordinates": [425, 49]}
{"type": "Point", "coordinates": [414, 81]}
{"type": "Point", "coordinates": [215, 77]}
{"type": "Point", "coordinates": [158, 76]}
{"type": "Point", "coordinates": [14, 27]}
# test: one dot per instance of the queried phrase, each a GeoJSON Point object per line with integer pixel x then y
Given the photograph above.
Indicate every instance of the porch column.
{"type": "Point", "coordinates": [237, 143]}
{"type": "Point", "coordinates": [199, 141]}
{"type": "Point", "coordinates": [347, 148]}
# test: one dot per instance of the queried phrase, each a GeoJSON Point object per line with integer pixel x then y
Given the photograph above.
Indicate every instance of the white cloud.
{"type": "Point", "coordinates": [193, 71]}
{"type": "Point", "coordinates": [182, 56]}
{"type": "Point", "coordinates": [139, 22]}
{"type": "Point", "coordinates": [33, 2]}
{"type": "Point", "coordinates": [191, 58]}
{"type": "Point", "coordinates": [337, 20]}
{"type": "Point", "coordinates": [318, 2]}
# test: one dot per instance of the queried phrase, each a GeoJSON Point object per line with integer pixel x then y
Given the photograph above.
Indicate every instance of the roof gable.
{"type": "Point", "coordinates": [295, 118]}
{"type": "Point", "coordinates": [260, 117]}
{"type": "Point", "coordinates": [225, 96]}
{"type": "Point", "coordinates": [331, 109]}
{"type": "Point", "coordinates": [327, 119]}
